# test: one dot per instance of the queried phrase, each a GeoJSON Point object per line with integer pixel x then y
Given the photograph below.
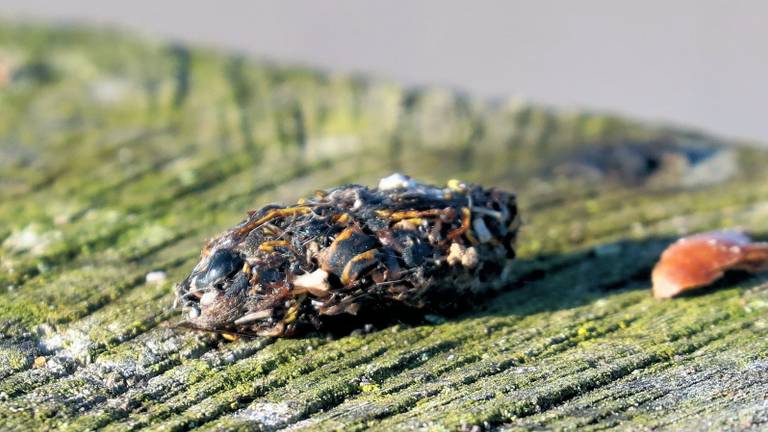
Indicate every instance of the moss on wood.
{"type": "Point", "coordinates": [120, 156]}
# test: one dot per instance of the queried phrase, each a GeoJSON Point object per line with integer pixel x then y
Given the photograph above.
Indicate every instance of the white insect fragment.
{"type": "Point", "coordinates": [396, 181]}
{"type": "Point", "coordinates": [254, 316]}
{"type": "Point", "coordinates": [193, 312]}
{"type": "Point", "coordinates": [470, 258]}
{"type": "Point", "coordinates": [316, 283]}
{"type": "Point", "coordinates": [466, 256]}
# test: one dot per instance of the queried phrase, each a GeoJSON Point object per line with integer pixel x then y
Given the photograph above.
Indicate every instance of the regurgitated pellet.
{"type": "Point", "coordinates": [352, 250]}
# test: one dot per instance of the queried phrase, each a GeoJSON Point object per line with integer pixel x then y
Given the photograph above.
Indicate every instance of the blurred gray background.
{"type": "Point", "coordinates": [696, 63]}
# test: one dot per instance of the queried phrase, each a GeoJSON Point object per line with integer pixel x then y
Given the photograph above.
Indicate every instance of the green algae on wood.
{"type": "Point", "coordinates": [120, 156]}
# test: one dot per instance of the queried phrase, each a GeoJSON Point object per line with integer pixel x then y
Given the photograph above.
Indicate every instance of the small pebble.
{"type": "Point", "coordinates": [156, 277]}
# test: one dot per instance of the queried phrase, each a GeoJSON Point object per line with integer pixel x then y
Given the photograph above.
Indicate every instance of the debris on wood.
{"type": "Point", "coordinates": [660, 162]}
{"type": "Point", "coordinates": [352, 251]}
{"type": "Point", "coordinates": [699, 260]}
{"type": "Point", "coordinates": [39, 362]}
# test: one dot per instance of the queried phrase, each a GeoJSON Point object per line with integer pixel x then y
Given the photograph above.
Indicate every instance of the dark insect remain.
{"type": "Point", "coordinates": [352, 251]}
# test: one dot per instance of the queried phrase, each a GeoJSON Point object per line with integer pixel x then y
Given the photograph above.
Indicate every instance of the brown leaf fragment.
{"type": "Point", "coordinates": [699, 260]}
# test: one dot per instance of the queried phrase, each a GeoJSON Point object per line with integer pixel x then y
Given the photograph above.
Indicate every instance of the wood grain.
{"type": "Point", "coordinates": [120, 156]}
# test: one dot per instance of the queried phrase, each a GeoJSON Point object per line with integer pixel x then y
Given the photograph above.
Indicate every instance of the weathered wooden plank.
{"type": "Point", "coordinates": [119, 156]}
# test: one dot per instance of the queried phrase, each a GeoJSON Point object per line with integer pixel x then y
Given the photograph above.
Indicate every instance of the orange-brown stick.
{"type": "Point", "coordinates": [699, 260]}
{"type": "Point", "coordinates": [281, 212]}
{"type": "Point", "coordinates": [466, 220]}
